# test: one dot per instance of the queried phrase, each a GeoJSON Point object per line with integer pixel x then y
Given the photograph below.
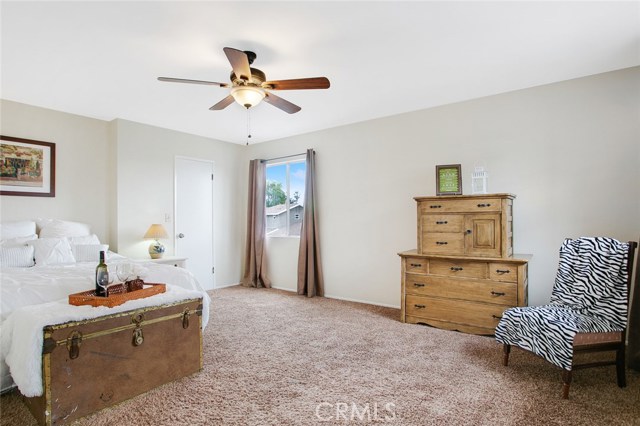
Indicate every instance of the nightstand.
{"type": "Point", "coordinates": [180, 262]}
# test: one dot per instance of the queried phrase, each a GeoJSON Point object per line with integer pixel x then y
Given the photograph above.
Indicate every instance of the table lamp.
{"type": "Point", "coordinates": [155, 232]}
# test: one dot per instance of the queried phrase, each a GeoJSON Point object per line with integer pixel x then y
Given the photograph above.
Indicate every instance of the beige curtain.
{"type": "Point", "coordinates": [255, 274]}
{"type": "Point", "coordinates": [310, 280]}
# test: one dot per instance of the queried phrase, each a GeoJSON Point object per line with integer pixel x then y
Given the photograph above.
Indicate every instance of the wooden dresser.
{"type": "Point", "coordinates": [463, 274]}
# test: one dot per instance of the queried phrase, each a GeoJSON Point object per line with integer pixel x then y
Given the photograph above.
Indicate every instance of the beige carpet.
{"type": "Point", "coordinates": [274, 358]}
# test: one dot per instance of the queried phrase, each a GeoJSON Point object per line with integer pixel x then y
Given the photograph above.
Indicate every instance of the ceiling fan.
{"type": "Point", "coordinates": [249, 86]}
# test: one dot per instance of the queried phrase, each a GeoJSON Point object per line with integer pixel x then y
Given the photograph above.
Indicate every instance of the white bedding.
{"type": "Point", "coordinates": [21, 288]}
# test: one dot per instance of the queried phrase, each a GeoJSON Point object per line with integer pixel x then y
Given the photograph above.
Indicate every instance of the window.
{"type": "Point", "coordinates": [285, 197]}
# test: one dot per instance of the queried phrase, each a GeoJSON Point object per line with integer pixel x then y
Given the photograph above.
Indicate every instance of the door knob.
{"type": "Point", "coordinates": [181, 235]}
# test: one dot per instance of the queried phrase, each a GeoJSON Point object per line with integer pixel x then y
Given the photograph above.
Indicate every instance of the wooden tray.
{"type": "Point", "coordinates": [117, 295]}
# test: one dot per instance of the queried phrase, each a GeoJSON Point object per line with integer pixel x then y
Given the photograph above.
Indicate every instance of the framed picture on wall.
{"type": "Point", "coordinates": [449, 179]}
{"type": "Point", "coordinates": [27, 167]}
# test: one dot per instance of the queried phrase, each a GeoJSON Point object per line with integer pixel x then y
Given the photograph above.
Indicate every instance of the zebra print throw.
{"type": "Point", "coordinates": [589, 295]}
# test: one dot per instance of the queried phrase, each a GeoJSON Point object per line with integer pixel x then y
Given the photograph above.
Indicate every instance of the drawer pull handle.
{"type": "Point", "coordinates": [418, 285]}
{"type": "Point", "coordinates": [441, 222]}
{"type": "Point", "coordinates": [484, 205]}
{"type": "Point", "coordinates": [502, 271]}
{"type": "Point", "coordinates": [435, 206]}
{"type": "Point", "coordinates": [496, 317]}
{"type": "Point", "coordinates": [468, 231]}
{"type": "Point", "coordinates": [415, 265]}
{"type": "Point", "coordinates": [420, 306]}
{"type": "Point", "coordinates": [496, 293]}
{"type": "Point", "coordinates": [456, 268]}
{"type": "Point", "coordinates": [441, 243]}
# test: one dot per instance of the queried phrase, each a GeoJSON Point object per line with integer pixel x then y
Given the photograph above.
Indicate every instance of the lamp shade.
{"type": "Point", "coordinates": [156, 231]}
{"type": "Point", "coordinates": [247, 96]}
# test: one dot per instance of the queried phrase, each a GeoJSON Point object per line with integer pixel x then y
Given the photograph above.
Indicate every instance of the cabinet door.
{"type": "Point", "coordinates": [482, 235]}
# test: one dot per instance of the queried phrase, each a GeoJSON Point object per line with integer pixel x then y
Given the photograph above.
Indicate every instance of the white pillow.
{"type": "Point", "coordinates": [18, 241]}
{"type": "Point", "coordinates": [87, 239]}
{"type": "Point", "coordinates": [16, 257]}
{"type": "Point", "coordinates": [88, 252]}
{"type": "Point", "coordinates": [51, 251]}
{"type": "Point", "coordinates": [17, 229]}
{"type": "Point", "coordinates": [54, 228]}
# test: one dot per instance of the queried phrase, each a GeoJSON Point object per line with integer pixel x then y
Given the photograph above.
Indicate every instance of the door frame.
{"type": "Point", "coordinates": [175, 207]}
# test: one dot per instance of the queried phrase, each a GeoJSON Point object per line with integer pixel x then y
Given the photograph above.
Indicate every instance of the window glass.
{"type": "Point", "coordinates": [284, 198]}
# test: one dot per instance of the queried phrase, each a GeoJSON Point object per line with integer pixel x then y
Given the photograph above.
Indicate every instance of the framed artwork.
{"type": "Point", "coordinates": [27, 167]}
{"type": "Point", "coordinates": [449, 179]}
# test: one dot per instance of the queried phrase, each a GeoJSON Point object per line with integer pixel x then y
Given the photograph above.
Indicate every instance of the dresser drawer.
{"type": "Point", "coordinates": [475, 205]}
{"type": "Point", "coordinates": [454, 311]}
{"type": "Point", "coordinates": [458, 268]}
{"type": "Point", "coordinates": [500, 293]}
{"type": "Point", "coordinates": [416, 264]}
{"type": "Point", "coordinates": [443, 222]}
{"type": "Point", "coordinates": [442, 243]}
{"type": "Point", "coordinates": [503, 272]}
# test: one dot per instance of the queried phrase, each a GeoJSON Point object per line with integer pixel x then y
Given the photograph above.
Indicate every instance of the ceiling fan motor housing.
{"type": "Point", "coordinates": [257, 78]}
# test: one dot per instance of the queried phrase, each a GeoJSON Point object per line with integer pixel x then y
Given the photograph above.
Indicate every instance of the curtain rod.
{"type": "Point", "coordinates": [280, 158]}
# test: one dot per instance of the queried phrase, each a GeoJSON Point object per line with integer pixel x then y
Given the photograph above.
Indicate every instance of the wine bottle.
{"type": "Point", "coordinates": [102, 277]}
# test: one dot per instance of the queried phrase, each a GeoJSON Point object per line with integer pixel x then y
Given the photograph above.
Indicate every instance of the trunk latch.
{"type": "Point", "coordinates": [138, 338]}
{"type": "Point", "coordinates": [73, 344]}
{"type": "Point", "coordinates": [185, 318]}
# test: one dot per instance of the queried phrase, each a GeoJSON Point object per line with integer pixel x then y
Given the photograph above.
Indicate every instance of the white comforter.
{"type": "Point", "coordinates": [49, 287]}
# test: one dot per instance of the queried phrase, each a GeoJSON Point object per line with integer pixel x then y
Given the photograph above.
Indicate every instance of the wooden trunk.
{"type": "Point", "coordinates": [93, 364]}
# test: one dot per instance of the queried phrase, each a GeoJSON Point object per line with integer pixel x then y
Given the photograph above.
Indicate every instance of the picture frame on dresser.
{"type": "Point", "coordinates": [449, 179]}
{"type": "Point", "coordinates": [27, 167]}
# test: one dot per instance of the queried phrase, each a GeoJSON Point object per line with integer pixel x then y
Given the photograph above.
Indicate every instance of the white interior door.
{"type": "Point", "coordinates": [194, 217]}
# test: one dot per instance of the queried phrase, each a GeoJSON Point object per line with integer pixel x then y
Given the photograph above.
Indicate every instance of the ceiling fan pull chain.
{"type": "Point", "coordinates": [248, 125]}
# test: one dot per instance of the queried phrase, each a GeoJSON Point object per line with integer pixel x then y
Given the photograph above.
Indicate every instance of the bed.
{"type": "Point", "coordinates": [43, 261]}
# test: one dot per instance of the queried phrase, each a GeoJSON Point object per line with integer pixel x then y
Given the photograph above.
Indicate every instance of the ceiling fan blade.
{"type": "Point", "coordinates": [298, 84]}
{"type": "Point", "coordinates": [239, 62]}
{"type": "Point", "coordinates": [278, 102]}
{"type": "Point", "coordinates": [183, 80]}
{"type": "Point", "coordinates": [223, 103]}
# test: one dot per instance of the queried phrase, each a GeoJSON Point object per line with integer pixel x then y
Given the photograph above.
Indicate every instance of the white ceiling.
{"type": "Point", "coordinates": [101, 59]}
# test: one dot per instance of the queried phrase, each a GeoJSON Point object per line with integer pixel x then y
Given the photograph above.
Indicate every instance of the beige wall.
{"type": "Point", "coordinates": [118, 176]}
{"type": "Point", "coordinates": [145, 191]}
{"type": "Point", "coordinates": [82, 166]}
{"type": "Point", "coordinates": [570, 152]}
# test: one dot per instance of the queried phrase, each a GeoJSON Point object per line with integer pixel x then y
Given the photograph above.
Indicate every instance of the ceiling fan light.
{"type": "Point", "coordinates": [247, 96]}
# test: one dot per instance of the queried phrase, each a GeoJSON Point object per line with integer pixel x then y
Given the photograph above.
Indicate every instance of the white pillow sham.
{"type": "Point", "coordinates": [88, 252]}
{"type": "Point", "coordinates": [17, 229]}
{"type": "Point", "coordinates": [17, 241]}
{"type": "Point", "coordinates": [55, 228]}
{"type": "Point", "coordinates": [16, 257]}
{"type": "Point", "coordinates": [52, 251]}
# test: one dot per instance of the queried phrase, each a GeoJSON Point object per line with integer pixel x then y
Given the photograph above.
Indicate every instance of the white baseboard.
{"type": "Point", "coordinates": [330, 296]}
{"type": "Point", "coordinates": [367, 302]}
{"type": "Point", "coordinates": [285, 289]}
{"type": "Point", "coordinates": [225, 286]}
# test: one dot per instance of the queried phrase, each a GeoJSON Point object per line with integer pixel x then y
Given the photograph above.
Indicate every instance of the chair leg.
{"type": "Point", "coordinates": [506, 349]}
{"type": "Point", "coordinates": [566, 379]}
{"type": "Point", "coordinates": [620, 367]}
